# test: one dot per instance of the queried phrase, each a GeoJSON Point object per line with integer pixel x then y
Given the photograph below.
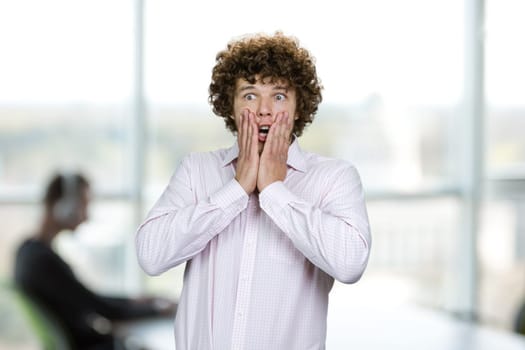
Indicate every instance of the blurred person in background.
{"type": "Point", "coordinates": [48, 280]}
{"type": "Point", "coordinates": [264, 226]}
{"type": "Point", "coordinates": [519, 323]}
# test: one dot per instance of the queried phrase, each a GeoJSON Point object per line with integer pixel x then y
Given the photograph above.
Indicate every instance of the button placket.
{"type": "Point", "coordinates": [245, 275]}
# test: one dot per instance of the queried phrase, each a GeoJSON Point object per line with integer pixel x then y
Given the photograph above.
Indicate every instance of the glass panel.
{"type": "Point", "coordinates": [97, 249]}
{"type": "Point", "coordinates": [67, 69]}
{"type": "Point", "coordinates": [62, 50]}
{"type": "Point", "coordinates": [393, 84]}
{"type": "Point", "coordinates": [502, 230]}
{"type": "Point", "coordinates": [501, 242]}
{"type": "Point", "coordinates": [45, 138]}
{"type": "Point", "coordinates": [387, 107]}
{"type": "Point", "coordinates": [505, 86]}
{"type": "Point", "coordinates": [64, 94]}
{"type": "Point", "coordinates": [414, 249]}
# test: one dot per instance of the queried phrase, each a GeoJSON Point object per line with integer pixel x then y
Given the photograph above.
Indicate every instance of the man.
{"type": "Point", "coordinates": [47, 279]}
{"type": "Point", "coordinates": [264, 227]}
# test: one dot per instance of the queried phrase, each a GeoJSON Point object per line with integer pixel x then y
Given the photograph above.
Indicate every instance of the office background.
{"type": "Point", "coordinates": [425, 97]}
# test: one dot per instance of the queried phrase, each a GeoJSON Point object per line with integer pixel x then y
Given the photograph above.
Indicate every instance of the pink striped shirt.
{"type": "Point", "coordinates": [259, 267]}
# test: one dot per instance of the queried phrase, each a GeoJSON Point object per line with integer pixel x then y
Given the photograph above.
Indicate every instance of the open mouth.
{"type": "Point", "coordinates": [264, 129]}
{"type": "Point", "coordinates": [263, 132]}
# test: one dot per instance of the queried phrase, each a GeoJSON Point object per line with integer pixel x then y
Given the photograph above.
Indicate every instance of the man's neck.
{"type": "Point", "coordinates": [47, 232]}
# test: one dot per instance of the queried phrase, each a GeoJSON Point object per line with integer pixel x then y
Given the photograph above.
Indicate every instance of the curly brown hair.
{"type": "Point", "coordinates": [276, 57]}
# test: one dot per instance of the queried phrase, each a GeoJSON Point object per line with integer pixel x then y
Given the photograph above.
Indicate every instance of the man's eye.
{"type": "Point", "coordinates": [249, 97]}
{"type": "Point", "coordinates": [280, 97]}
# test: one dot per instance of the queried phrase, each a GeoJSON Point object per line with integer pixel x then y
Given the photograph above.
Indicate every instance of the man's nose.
{"type": "Point", "coordinates": [264, 108]}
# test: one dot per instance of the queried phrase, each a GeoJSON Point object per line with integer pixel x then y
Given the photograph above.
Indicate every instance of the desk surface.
{"type": "Point", "coordinates": [399, 327]}
{"type": "Point", "coordinates": [405, 327]}
{"type": "Point", "coordinates": [154, 333]}
{"type": "Point", "coordinates": [374, 322]}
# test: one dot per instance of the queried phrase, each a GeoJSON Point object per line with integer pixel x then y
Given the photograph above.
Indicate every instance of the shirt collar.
{"type": "Point", "coordinates": [231, 154]}
{"type": "Point", "coordinates": [296, 156]}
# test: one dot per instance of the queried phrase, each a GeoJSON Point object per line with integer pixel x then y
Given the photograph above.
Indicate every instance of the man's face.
{"type": "Point", "coordinates": [265, 100]}
{"type": "Point", "coordinates": [80, 209]}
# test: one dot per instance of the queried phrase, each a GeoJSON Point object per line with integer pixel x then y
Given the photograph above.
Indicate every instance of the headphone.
{"type": "Point", "coordinates": [66, 207]}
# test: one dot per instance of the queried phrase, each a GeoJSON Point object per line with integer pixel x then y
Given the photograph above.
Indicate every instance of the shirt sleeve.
{"type": "Point", "coordinates": [335, 234]}
{"type": "Point", "coordinates": [180, 224]}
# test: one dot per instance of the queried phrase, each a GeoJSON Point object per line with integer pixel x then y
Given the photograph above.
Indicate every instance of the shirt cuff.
{"type": "Point", "coordinates": [231, 194]}
{"type": "Point", "coordinates": [276, 194]}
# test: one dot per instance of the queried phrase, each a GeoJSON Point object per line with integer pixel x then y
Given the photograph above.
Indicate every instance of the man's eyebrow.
{"type": "Point", "coordinates": [281, 87]}
{"type": "Point", "coordinates": [245, 87]}
{"type": "Point", "coordinates": [251, 87]}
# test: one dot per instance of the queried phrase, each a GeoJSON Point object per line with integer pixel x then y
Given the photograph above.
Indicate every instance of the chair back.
{"type": "Point", "coordinates": [42, 322]}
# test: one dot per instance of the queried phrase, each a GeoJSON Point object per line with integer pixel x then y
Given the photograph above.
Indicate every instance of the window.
{"type": "Point", "coordinates": [393, 78]}
{"type": "Point", "coordinates": [65, 104]}
{"type": "Point", "coordinates": [393, 74]}
{"type": "Point", "coordinates": [502, 233]}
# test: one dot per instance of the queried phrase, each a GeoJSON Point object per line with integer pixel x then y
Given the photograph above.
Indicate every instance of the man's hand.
{"type": "Point", "coordinates": [275, 152]}
{"type": "Point", "coordinates": [161, 305]}
{"type": "Point", "coordinates": [248, 160]}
